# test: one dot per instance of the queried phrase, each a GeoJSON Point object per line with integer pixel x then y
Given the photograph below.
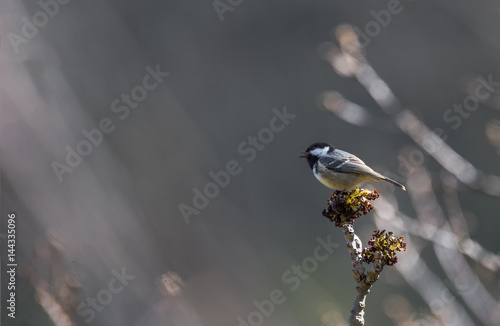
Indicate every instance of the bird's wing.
{"type": "Point", "coordinates": [348, 163]}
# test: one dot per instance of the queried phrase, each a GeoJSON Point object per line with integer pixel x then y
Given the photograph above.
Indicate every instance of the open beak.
{"type": "Point", "coordinates": [303, 154]}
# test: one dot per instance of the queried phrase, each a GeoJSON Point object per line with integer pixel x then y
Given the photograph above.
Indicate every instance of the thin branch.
{"type": "Point", "coordinates": [343, 209]}
{"type": "Point", "coordinates": [358, 271]}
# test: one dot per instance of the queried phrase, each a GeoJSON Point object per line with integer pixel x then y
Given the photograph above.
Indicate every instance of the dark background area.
{"type": "Point", "coordinates": [119, 208]}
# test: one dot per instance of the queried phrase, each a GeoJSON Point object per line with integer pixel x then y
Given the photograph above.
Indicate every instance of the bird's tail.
{"type": "Point", "coordinates": [394, 183]}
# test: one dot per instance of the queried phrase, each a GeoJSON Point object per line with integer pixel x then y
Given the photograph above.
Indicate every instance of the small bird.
{"type": "Point", "coordinates": [340, 170]}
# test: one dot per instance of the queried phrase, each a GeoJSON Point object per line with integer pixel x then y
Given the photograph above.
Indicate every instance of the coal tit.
{"type": "Point", "coordinates": [340, 170]}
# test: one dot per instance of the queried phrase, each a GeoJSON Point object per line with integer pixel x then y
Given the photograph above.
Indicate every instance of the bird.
{"type": "Point", "coordinates": [340, 170]}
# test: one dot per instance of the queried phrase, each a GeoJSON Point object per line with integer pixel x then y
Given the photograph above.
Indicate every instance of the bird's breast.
{"type": "Point", "coordinates": [335, 180]}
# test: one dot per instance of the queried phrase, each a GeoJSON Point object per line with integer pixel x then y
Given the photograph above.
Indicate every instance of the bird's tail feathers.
{"type": "Point", "coordinates": [394, 183]}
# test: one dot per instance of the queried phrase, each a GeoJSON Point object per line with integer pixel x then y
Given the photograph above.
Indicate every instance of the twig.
{"type": "Point", "coordinates": [364, 281]}
{"type": "Point", "coordinates": [358, 271]}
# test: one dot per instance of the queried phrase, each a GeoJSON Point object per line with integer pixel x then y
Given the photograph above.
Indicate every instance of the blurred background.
{"type": "Point", "coordinates": [116, 115]}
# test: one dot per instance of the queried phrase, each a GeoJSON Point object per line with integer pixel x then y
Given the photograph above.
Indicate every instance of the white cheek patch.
{"type": "Point", "coordinates": [320, 151]}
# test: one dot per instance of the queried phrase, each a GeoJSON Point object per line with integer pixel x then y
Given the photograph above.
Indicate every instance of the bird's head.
{"type": "Point", "coordinates": [315, 151]}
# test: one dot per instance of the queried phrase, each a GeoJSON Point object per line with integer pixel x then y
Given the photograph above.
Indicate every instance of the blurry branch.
{"type": "Point", "coordinates": [349, 61]}
{"type": "Point", "coordinates": [477, 253]}
{"type": "Point", "coordinates": [492, 102]}
{"type": "Point", "coordinates": [354, 114]}
{"type": "Point", "coordinates": [175, 306]}
{"type": "Point", "coordinates": [346, 110]}
{"type": "Point", "coordinates": [59, 296]}
{"type": "Point", "coordinates": [456, 237]}
{"type": "Point", "coordinates": [399, 309]}
{"type": "Point", "coordinates": [448, 246]}
{"type": "Point", "coordinates": [472, 291]}
{"type": "Point", "coordinates": [465, 244]}
{"type": "Point", "coordinates": [418, 275]}
{"type": "Point", "coordinates": [343, 209]}
{"type": "Point", "coordinates": [447, 239]}
{"type": "Point", "coordinates": [493, 133]}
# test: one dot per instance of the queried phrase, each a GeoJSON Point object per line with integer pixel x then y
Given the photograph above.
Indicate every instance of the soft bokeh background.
{"type": "Point", "coordinates": [118, 209]}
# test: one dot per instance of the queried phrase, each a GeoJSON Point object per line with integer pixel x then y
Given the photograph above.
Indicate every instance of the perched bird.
{"type": "Point", "coordinates": [340, 170]}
